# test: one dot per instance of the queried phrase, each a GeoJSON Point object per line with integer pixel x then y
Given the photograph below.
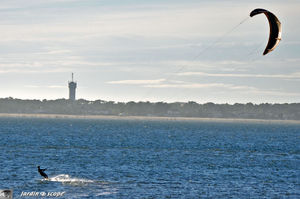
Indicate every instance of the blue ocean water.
{"type": "Point", "coordinates": [150, 159]}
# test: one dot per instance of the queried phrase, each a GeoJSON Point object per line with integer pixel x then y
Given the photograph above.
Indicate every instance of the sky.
{"type": "Point", "coordinates": [154, 50]}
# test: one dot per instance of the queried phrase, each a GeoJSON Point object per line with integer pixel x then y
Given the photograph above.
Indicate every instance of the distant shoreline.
{"type": "Point", "coordinates": [150, 118]}
{"type": "Point", "coordinates": [115, 110]}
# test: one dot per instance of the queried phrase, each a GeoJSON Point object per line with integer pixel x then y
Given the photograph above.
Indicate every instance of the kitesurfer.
{"type": "Point", "coordinates": [41, 171]}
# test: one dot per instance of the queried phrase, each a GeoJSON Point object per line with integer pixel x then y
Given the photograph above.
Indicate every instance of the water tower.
{"type": "Point", "coordinates": [72, 89]}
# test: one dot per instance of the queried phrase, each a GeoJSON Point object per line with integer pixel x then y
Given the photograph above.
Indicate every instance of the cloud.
{"type": "Point", "coordinates": [54, 52]}
{"type": "Point", "coordinates": [182, 20]}
{"type": "Point", "coordinates": [163, 83]}
{"type": "Point", "coordinates": [137, 82]}
{"type": "Point", "coordinates": [49, 86]}
{"type": "Point", "coordinates": [272, 92]}
{"type": "Point", "coordinates": [154, 40]}
{"type": "Point", "coordinates": [218, 88]}
{"type": "Point", "coordinates": [56, 86]}
{"type": "Point", "coordinates": [199, 85]}
{"type": "Point", "coordinates": [280, 76]}
{"type": "Point", "coordinates": [212, 87]}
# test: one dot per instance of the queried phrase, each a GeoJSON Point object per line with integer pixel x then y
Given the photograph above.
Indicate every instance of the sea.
{"type": "Point", "coordinates": [141, 158]}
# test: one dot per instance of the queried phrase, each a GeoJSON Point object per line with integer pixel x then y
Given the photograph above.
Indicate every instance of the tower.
{"type": "Point", "coordinates": [72, 89]}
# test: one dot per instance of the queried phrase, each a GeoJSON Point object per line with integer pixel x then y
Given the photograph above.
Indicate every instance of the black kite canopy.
{"type": "Point", "coordinates": [275, 29]}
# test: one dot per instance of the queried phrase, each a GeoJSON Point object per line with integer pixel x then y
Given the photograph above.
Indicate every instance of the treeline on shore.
{"type": "Point", "coordinates": [176, 109]}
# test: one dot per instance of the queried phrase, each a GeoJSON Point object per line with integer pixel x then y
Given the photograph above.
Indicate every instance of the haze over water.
{"type": "Point", "coordinates": [103, 158]}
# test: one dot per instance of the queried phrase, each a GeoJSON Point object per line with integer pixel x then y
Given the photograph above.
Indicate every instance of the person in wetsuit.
{"type": "Point", "coordinates": [41, 171]}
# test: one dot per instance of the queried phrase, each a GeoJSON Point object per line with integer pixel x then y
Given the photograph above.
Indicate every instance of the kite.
{"type": "Point", "coordinates": [275, 29]}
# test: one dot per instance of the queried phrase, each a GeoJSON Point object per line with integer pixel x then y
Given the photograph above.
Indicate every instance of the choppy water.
{"type": "Point", "coordinates": [150, 159]}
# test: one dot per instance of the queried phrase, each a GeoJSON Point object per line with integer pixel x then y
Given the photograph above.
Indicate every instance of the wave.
{"type": "Point", "coordinates": [103, 188]}
{"type": "Point", "coordinates": [66, 179]}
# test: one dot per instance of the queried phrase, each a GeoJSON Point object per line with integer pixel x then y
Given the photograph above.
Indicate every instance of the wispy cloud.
{"type": "Point", "coordinates": [215, 87]}
{"type": "Point", "coordinates": [49, 86]}
{"type": "Point", "coordinates": [265, 92]}
{"type": "Point", "coordinates": [280, 76]}
{"type": "Point", "coordinates": [201, 86]}
{"type": "Point", "coordinates": [163, 83]}
{"type": "Point", "coordinates": [54, 52]}
{"type": "Point", "coordinates": [137, 82]}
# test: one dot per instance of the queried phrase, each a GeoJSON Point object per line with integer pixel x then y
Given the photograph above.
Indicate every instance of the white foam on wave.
{"type": "Point", "coordinates": [105, 193]}
{"type": "Point", "coordinates": [102, 187]}
{"type": "Point", "coordinates": [65, 178]}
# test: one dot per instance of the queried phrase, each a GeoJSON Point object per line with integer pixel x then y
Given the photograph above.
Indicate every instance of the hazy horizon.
{"type": "Point", "coordinates": [170, 51]}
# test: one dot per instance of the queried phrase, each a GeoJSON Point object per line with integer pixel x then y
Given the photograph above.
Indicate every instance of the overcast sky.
{"type": "Point", "coordinates": [155, 50]}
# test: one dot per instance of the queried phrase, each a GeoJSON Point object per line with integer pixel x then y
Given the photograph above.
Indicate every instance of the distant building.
{"type": "Point", "coordinates": [72, 89]}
